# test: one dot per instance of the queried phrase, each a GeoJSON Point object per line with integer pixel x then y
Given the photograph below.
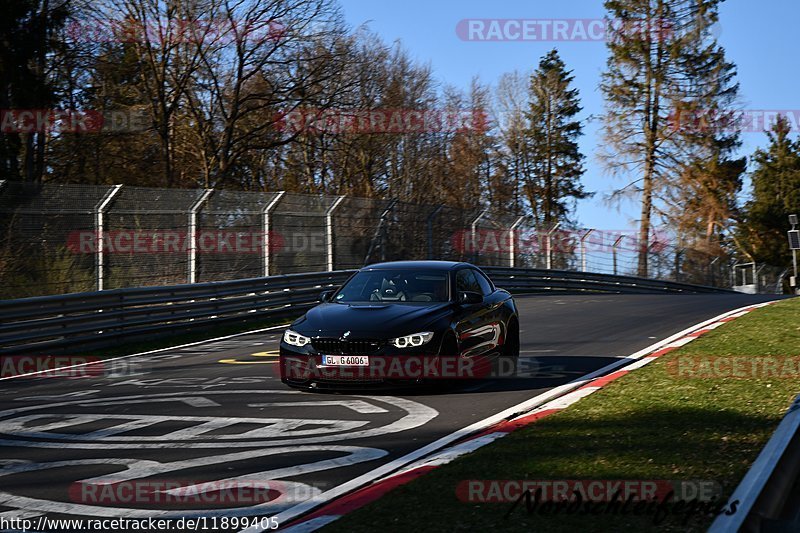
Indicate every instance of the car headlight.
{"type": "Point", "coordinates": [295, 339]}
{"type": "Point", "coordinates": [415, 340]}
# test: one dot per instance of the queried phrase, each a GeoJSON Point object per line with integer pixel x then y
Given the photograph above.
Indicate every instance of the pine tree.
{"type": "Point", "coordinates": [555, 161]}
{"type": "Point", "coordinates": [28, 41]}
{"type": "Point", "coordinates": [775, 195]}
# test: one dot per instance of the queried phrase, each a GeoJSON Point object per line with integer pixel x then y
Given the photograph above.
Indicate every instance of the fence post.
{"type": "Point", "coordinates": [429, 224]}
{"type": "Point", "coordinates": [512, 258]}
{"type": "Point", "coordinates": [380, 231]}
{"type": "Point", "coordinates": [756, 273]}
{"type": "Point", "coordinates": [329, 231]}
{"type": "Point", "coordinates": [191, 237]}
{"type": "Point", "coordinates": [265, 228]}
{"type": "Point", "coordinates": [549, 257]}
{"type": "Point", "coordinates": [583, 249]}
{"type": "Point", "coordinates": [614, 251]}
{"type": "Point", "coordinates": [712, 277]}
{"type": "Point", "coordinates": [474, 235]}
{"type": "Point", "coordinates": [99, 228]}
{"type": "Point", "coordinates": [678, 253]}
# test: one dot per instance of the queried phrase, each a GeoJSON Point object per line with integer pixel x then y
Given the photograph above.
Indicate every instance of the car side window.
{"type": "Point", "coordinates": [466, 281]}
{"type": "Point", "coordinates": [486, 286]}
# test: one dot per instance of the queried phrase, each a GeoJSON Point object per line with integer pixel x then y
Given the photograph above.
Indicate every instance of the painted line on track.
{"type": "Point", "coordinates": [335, 503]}
{"type": "Point", "coordinates": [187, 345]}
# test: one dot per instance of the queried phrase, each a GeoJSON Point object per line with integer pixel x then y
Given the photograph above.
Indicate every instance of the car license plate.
{"type": "Point", "coordinates": [345, 360]}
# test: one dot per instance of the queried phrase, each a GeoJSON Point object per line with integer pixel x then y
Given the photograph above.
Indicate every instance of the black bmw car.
{"type": "Point", "coordinates": [401, 322]}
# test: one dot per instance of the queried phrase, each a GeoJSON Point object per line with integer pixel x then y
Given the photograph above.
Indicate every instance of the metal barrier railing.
{"type": "Point", "coordinates": [50, 324]}
{"type": "Point", "coordinates": [522, 280]}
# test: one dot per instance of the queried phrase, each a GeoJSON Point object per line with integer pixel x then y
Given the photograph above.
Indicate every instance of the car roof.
{"type": "Point", "coordinates": [416, 265]}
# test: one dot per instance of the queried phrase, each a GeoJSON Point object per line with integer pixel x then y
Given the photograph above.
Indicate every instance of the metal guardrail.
{"type": "Point", "coordinates": [52, 324]}
{"type": "Point", "coordinates": [769, 487]}
{"type": "Point", "coordinates": [534, 280]}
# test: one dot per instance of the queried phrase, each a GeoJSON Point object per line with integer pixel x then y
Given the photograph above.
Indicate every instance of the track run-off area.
{"type": "Point", "coordinates": [208, 430]}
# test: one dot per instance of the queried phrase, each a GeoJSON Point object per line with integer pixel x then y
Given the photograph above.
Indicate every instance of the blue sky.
{"type": "Point", "coordinates": [760, 37]}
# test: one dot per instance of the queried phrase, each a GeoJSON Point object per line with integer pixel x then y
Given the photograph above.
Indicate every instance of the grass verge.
{"type": "Point", "coordinates": [662, 422]}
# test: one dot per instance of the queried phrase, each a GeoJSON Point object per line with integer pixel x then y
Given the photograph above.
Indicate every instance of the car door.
{"type": "Point", "coordinates": [497, 316]}
{"type": "Point", "coordinates": [477, 331]}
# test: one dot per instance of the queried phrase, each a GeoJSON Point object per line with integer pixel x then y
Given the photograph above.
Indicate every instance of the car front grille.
{"type": "Point", "coordinates": [346, 347]}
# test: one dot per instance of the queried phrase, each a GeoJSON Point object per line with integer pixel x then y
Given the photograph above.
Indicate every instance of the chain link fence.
{"type": "Point", "coordinates": [62, 238]}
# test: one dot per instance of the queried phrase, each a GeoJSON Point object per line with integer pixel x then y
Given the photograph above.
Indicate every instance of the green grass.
{"type": "Point", "coordinates": [650, 425]}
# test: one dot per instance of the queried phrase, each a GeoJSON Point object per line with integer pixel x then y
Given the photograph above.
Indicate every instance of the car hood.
{"type": "Point", "coordinates": [369, 320]}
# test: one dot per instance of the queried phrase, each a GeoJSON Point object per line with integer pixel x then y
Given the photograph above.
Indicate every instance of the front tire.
{"type": "Point", "coordinates": [449, 346]}
{"type": "Point", "coordinates": [511, 344]}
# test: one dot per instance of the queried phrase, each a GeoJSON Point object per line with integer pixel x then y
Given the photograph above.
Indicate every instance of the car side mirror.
{"type": "Point", "coordinates": [470, 298]}
{"type": "Point", "coordinates": [325, 296]}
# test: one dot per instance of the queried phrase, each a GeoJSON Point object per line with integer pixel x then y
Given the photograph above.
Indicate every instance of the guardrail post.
{"type": "Point", "coordinates": [429, 224]}
{"type": "Point", "coordinates": [614, 252]}
{"type": "Point", "coordinates": [329, 231]}
{"type": "Point", "coordinates": [265, 228]}
{"type": "Point", "coordinates": [99, 228]}
{"type": "Point", "coordinates": [549, 256]}
{"type": "Point", "coordinates": [583, 249]}
{"type": "Point", "coordinates": [512, 239]}
{"type": "Point", "coordinates": [474, 235]}
{"type": "Point", "coordinates": [192, 234]}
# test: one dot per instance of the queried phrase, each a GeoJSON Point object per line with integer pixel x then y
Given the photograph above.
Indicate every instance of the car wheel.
{"type": "Point", "coordinates": [511, 345]}
{"type": "Point", "coordinates": [448, 350]}
{"type": "Point", "coordinates": [449, 346]}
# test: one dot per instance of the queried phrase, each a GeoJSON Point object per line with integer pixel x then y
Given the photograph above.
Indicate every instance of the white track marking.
{"type": "Point", "coordinates": [359, 406]}
{"type": "Point", "coordinates": [274, 432]}
{"type": "Point", "coordinates": [66, 396]}
{"type": "Point", "coordinates": [181, 346]}
{"type": "Point", "coordinates": [19, 514]}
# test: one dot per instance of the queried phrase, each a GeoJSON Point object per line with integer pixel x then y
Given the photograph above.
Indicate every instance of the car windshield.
{"type": "Point", "coordinates": [395, 286]}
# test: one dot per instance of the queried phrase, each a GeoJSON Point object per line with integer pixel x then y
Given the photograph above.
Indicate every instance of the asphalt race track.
{"type": "Point", "coordinates": [215, 416]}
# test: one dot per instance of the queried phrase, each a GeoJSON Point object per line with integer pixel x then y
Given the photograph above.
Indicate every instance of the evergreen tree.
{"type": "Point", "coordinates": [28, 39]}
{"type": "Point", "coordinates": [775, 195]}
{"type": "Point", "coordinates": [555, 162]}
